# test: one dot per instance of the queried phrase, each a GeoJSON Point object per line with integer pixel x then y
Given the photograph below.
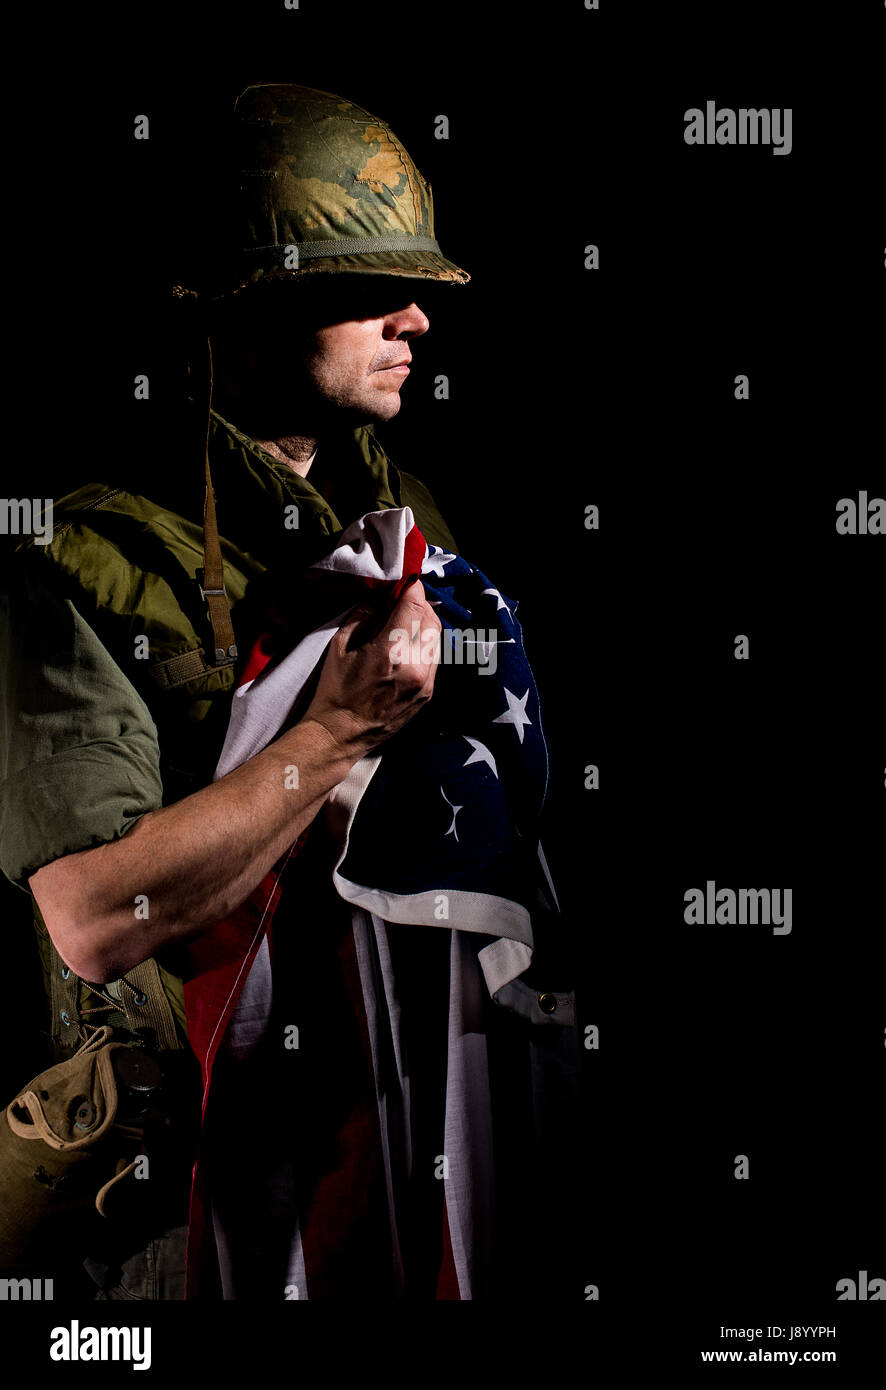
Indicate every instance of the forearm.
{"type": "Point", "coordinates": [188, 864]}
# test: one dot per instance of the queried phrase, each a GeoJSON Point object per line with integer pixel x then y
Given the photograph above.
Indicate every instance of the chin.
{"type": "Point", "coordinates": [373, 409]}
{"type": "Point", "coordinates": [386, 409]}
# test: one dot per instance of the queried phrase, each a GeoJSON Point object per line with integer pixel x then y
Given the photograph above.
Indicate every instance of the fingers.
{"type": "Point", "coordinates": [412, 606]}
{"type": "Point", "coordinates": [403, 647]}
{"type": "Point", "coordinates": [380, 668]}
{"type": "Point", "coordinates": [412, 612]}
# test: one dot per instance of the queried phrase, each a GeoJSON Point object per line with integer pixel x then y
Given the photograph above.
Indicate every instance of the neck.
{"type": "Point", "coordinates": [296, 450]}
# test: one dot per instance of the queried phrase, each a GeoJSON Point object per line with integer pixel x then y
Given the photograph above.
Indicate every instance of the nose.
{"type": "Point", "coordinates": [406, 323]}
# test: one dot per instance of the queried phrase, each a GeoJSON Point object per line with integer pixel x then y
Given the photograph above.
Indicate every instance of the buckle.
{"type": "Point", "coordinates": [198, 580]}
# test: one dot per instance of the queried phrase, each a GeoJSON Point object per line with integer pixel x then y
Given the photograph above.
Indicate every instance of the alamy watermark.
{"type": "Point", "coordinates": [713, 906]}
{"type": "Point", "coordinates": [745, 126]}
{"type": "Point", "coordinates": [449, 646]}
{"type": "Point", "coordinates": [864, 517]}
{"type": "Point", "coordinates": [27, 516]}
{"type": "Point", "coordinates": [25, 1290]}
{"type": "Point", "coordinates": [76, 1343]}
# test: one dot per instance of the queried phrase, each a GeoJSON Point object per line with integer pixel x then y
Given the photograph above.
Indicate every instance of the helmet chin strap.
{"type": "Point", "coordinates": [212, 576]}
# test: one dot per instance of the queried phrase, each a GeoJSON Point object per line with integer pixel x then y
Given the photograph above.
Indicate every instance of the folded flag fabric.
{"type": "Point", "coordinates": [437, 829]}
{"type": "Point", "coordinates": [463, 783]}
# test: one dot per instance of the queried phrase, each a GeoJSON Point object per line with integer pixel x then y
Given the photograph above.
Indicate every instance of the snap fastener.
{"type": "Point", "coordinates": [66, 1019]}
{"type": "Point", "coordinates": [547, 1003]}
{"type": "Point", "coordinates": [85, 1116]}
{"type": "Point", "coordinates": [140, 999]}
{"type": "Point", "coordinates": [65, 972]}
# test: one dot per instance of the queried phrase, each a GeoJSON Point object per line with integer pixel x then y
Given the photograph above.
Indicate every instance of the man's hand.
{"type": "Point", "coordinates": [363, 696]}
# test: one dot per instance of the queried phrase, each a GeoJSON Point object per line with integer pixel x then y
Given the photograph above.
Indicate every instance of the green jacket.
{"type": "Point", "coordinates": [107, 707]}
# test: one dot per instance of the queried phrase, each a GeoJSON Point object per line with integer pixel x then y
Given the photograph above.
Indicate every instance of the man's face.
{"type": "Point", "coordinates": [358, 365]}
{"type": "Point", "coordinates": [326, 353]}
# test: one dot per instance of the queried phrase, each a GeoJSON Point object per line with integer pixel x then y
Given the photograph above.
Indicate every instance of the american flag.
{"type": "Point", "coordinates": [463, 784]}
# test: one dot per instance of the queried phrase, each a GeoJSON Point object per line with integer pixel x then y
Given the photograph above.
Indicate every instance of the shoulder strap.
{"type": "Point", "coordinates": [212, 576]}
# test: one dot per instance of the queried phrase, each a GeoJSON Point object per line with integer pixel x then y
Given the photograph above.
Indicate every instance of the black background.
{"type": "Point", "coordinates": [615, 387]}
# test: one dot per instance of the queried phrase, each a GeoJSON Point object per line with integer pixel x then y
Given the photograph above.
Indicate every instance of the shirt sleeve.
{"type": "Point", "coordinates": [79, 754]}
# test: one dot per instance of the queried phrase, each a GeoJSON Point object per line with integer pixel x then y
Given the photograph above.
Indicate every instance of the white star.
{"type": "Point", "coordinates": [436, 558]}
{"type": "Point", "coordinates": [455, 810]}
{"type": "Point", "coordinates": [515, 713]}
{"type": "Point", "coordinates": [481, 754]}
{"type": "Point", "coordinates": [501, 603]}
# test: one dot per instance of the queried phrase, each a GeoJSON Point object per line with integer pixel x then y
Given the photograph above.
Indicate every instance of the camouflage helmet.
{"type": "Point", "coordinates": [325, 187]}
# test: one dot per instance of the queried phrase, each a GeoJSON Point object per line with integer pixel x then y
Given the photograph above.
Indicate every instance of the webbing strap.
{"type": "Point", "coordinates": [344, 246]}
{"type": "Point", "coordinates": [212, 584]}
{"type": "Point", "coordinates": [176, 670]}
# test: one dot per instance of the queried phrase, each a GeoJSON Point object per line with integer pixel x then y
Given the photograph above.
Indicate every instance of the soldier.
{"type": "Point", "coordinates": [120, 663]}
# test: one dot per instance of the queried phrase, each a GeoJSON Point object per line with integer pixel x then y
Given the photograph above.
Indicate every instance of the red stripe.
{"type": "Point", "coordinates": [274, 637]}
{"type": "Point", "coordinates": [414, 552]}
{"type": "Point", "coordinates": [219, 961]}
{"type": "Point", "coordinates": [348, 1216]}
{"type": "Point", "coordinates": [447, 1281]}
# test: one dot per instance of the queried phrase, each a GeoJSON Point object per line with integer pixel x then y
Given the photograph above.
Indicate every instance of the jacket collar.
{"type": "Point", "coordinates": [253, 488]}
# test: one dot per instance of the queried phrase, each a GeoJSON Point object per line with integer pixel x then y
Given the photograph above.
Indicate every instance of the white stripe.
{"type": "Point", "coordinates": [385, 1095]}
{"type": "Point", "coordinates": [469, 1189]}
{"type": "Point", "coordinates": [371, 547]}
